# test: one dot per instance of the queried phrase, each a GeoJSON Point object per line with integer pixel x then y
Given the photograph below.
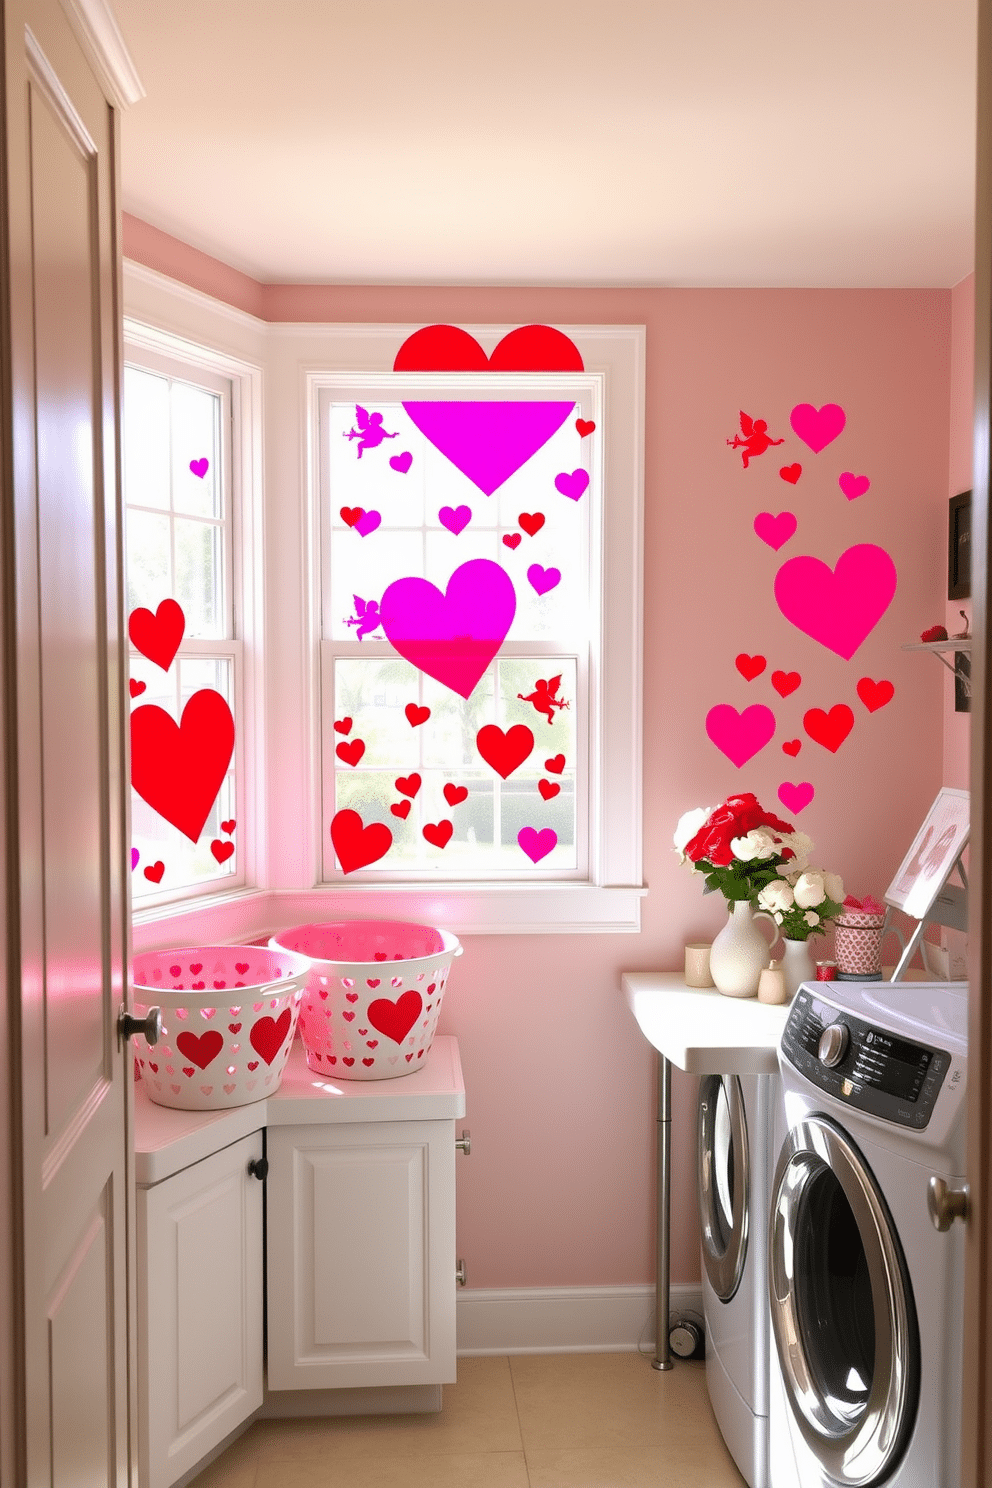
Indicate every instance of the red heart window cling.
{"type": "Point", "coordinates": [179, 768]}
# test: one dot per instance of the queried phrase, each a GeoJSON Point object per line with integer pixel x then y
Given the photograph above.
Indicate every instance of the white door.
{"type": "Point", "coordinates": [66, 1417]}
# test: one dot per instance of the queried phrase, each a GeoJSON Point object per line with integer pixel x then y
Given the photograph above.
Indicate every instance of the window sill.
{"type": "Point", "coordinates": [466, 909]}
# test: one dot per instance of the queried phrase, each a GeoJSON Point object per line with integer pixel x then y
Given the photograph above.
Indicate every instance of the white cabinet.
{"type": "Point", "coordinates": [200, 1309]}
{"type": "Point", "coordinates": [360, 1235]}
{"type": "Point", "coordinates": [361, 1255]}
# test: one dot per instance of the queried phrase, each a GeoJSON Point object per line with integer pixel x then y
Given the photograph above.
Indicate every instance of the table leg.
{"type": "Point", "coordinates": [662, 1356]}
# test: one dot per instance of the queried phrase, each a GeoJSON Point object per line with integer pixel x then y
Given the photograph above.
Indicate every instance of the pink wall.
{"type": "Point", "coordinates": [559, 1188]}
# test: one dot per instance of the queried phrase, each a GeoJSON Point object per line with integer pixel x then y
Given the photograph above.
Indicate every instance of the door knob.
{"type": "Point", "coordinates": [258, 1167]}
{"type": "Point", "coordinates": [946, 1204]}
{"type": "Point", "coordinates": [464, 1142]}
{"type": "Point", "coordinates": [150, 1026]}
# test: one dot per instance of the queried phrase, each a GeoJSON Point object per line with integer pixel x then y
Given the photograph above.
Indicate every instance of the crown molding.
{"type": "Point", "coordinates": [98, 33]}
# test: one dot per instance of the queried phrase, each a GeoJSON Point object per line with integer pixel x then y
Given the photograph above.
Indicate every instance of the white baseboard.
{"type": "Point", "coordinates": [564, 1320]}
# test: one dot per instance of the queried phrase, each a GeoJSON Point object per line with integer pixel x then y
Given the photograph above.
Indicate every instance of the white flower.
{"type": "Point", "coordinates": [689, 824]}
{"type": "Point", "coordinates": [801, 846]}
{"type": "Point", "coordinates": [809, 889]}
{"type": "Point", "coordinates": [778, 917]}
{"type": "Point", "coordinates": [776, 897]}
{"type": "Point", "coordinates": [811, 918]}
{"type": "Point", "coordinates": [834, 886]}
{"type": "Point", "coordinates": [758, 843]}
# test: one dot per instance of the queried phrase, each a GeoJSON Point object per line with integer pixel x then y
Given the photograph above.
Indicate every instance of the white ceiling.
{"type": "Point", "coordinates": [597, 142]}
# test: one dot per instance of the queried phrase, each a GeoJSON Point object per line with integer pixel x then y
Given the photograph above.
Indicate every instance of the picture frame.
{"type": "Point", "coordinates": [959, 546]}
{"type": "Point", "coordinates": [933, 852]}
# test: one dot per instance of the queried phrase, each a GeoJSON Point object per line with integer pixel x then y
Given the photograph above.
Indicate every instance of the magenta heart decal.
{"type": "Point", "coordinates": [135, 855]}
{"type": "Point", "coordinates": [795, 798]}
{"type": "Point", "coordinates": [853, 486]}
{"type": "Point", "coordinates": [818, 427]}
{"type": "Point", "coordinates": [200, 467]}
{"type": "Point", "coordinates": [536, 844]}
{"type": "Point", "coordinates": [775, 531]}
{"type": "Point", "coordinates": [543, 580]}
{"type": "Point", "coordinates": [455, 518]}
{"type": "Point", "coordinates": [740, 735]}
{"type": "Point", "coordinates": [401, 462]}
{"type": "Point", "coordinates": [455, 635]}
{"type": "Point", "coordinates": [368, 522]}
{"type": "Point", "coordinates": [572, 483]}
{"type": "Point", "coordinates": [838, 607]}
{"type": "Point", "coordinates": [488, 441]}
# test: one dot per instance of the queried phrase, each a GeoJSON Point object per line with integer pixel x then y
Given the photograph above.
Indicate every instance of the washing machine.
{"type": "Point", "coordinates": [866, 1295]}
{"type": "Point", "coordinates": [734, 1171]}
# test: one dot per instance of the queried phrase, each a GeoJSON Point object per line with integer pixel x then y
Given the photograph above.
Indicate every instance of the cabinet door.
{"type": "Point", "coordinates": [200, 1301]}
{"type": "Point", "coordinates": [360, 1239]}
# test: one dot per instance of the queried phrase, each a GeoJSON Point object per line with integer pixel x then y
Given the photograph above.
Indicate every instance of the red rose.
{"type": "Point", "coordinates": [735, 818]}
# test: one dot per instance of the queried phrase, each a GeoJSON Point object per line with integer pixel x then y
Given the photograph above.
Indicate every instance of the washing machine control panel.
{"type": "Point", "coordinates": [868, 1067]}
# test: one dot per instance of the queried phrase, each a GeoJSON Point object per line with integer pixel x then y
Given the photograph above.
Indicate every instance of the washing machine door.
{"type": "Point", "coordinates": [723, 1182]}
{"type": "Point", "coordinates": [842, 1307]}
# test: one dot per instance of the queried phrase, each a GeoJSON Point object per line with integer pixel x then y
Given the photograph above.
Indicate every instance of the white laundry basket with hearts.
{"type": "Point", "coordinates": [229, 1017]}
{"type": "Point", "coordinates": [373, 994]}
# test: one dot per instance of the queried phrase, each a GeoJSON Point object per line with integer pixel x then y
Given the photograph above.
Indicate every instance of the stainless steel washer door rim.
{"type": "Point", "coordinates": [724, 1181]}
{"type": "Point", "coordinates": [827, 1207]}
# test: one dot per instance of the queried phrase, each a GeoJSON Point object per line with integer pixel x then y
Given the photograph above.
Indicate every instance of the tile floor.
{"type": "Point", "coordinates": [529, 1421]}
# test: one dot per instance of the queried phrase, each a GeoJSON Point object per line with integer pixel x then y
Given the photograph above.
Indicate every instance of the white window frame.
{"type": "Point", "coordinates": [240, 385]}
{"type": "Point", "coordinates": [607, 898]}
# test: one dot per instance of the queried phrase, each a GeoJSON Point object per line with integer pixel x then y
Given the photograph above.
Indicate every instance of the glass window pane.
{"type": "Point", "coordinates": [198, 577]}
{"type": "Point", "coordinates": [196, 486]}
{"type": "Point", "coordinates": [163, 858]}
{"type": "Point", "coordinates": [146, 438]}
{"type": "Point", "coordinates": [149, 579]}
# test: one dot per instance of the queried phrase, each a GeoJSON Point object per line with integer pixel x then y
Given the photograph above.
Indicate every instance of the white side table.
{"type": "Point", "coordinates": [704, 1033]}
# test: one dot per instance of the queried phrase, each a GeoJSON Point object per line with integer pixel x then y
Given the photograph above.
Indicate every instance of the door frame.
{"type": "Point", "coordinates": [976, 1455]}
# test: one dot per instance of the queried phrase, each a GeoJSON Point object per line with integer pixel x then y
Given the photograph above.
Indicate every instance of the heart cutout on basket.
{"type": "Point", "coordinates": [395, 1019]}
{"type": "Point", "coordinates": [268, 1034]}
{"type": "Point", "coordinates": [202, 1048]}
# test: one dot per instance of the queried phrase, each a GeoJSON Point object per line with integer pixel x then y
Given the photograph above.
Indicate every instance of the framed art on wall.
{"type": "Point", "coordinates": [959, 546]}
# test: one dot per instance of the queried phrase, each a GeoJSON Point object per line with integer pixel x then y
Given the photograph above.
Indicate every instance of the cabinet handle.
{"type": "Point", "coordinates": [461, 1275]}
{"type": "Point", "coordinates": [258, 1167]}
{"type": "Point", "coordinates": [464, 1142]}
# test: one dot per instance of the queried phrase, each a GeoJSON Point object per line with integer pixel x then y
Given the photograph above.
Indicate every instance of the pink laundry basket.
{"type": "Point", "coordinates": [373, 994]}
{"type": "Point", "coordinates": [229, 1018]}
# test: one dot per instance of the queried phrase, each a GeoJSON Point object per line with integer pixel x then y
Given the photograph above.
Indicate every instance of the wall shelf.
{"type": "Point", "coordinates": [962, 644]}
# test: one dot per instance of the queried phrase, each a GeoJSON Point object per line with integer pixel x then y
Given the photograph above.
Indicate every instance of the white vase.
{"type": "Point", "coordinates": [739, 953]}
{"type": "Point", "coordinates": [797, 965]}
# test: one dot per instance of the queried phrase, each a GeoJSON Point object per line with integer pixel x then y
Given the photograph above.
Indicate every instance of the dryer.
{"type": "Point", "coordinates": [866, 1296]}
{"type": "Point", "coordinates": [734, 1170]}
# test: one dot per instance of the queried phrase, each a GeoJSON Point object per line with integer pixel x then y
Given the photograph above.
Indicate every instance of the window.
{"type": "Point", "coordinates": [473, 757]}
{"type": "Point", "coordinates": [180, 549]}
{"type": "Point", "coordinates": [476, 765]}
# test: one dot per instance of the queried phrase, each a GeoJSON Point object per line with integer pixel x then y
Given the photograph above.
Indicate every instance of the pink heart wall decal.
{"type": "Point", "coordinates": [488, 442]}
{"type": "Point", "coordinates": [838, 607]}
{"type": "Point", "coordinates": [536, 844]}
{"type": "Point", "coordinates": [818, 427]}
{"type": "Point", "coordinates": [853, 486]}
{"type": "Point", "coordinates": [795, 798]}
{"type": "Point", "coordinates": [401, 462]}
{"type": "Point", "coordinates": [452, 636]}
{"type": "Point", "coordinates": [200, 467]}
{"type": "Point", "coordinates": [740, 735]}
{"type": "Point", "coordinates": [455, 518]}
{"type": "Point", "coordinates": [775, 531]}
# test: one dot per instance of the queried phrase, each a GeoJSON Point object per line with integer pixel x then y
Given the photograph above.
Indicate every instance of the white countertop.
{"type": "Point", "coordinates": [702, 1031]}
{"type": "Point", "coordinates": [167, 1140]}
